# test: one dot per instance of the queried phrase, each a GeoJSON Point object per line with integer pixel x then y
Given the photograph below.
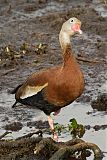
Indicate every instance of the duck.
{"type": "Point", "coordinates": [52, 89]}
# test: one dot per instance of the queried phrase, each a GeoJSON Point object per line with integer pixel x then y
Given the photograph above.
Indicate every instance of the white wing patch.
{"type": "Point", "coordinates": [30, 91]}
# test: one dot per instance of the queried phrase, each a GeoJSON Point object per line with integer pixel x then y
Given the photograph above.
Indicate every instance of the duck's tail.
{"type": "Point", "coordinates": [13, 92]}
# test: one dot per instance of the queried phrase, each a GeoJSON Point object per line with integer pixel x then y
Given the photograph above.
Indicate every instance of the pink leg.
{"type": "Point", "coordinates": [51, 124]}
{"type": "Point", "coordinates": [50, 121]}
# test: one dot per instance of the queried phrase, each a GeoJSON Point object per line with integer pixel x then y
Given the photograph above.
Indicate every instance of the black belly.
{"type": "Point", "coordinates": [38, 101]}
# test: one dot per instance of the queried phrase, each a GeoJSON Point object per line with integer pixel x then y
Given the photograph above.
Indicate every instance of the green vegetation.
{"type": "Point", "coordinates": [76, 130]}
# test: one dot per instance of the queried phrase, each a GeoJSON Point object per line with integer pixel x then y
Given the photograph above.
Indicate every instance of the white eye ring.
{"type": "Point", "coordinates": [71, 21]}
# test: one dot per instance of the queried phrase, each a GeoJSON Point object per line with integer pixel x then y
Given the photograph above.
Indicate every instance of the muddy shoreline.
{"type": "Point", "coordinates": [24, 25]}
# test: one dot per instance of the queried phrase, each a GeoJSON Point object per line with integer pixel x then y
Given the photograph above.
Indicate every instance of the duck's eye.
{"type": "Point", "coordinates": [71, 20]}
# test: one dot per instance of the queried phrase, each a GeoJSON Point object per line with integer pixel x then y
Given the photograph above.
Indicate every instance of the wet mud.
{"type": "Point", "coordinates": [29, 42]}
{"type": "Point", "coordinates": [100, 103]}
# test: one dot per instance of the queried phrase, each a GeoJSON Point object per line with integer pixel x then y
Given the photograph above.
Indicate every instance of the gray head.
{"type": "Point", "coordinates": [72, 26]}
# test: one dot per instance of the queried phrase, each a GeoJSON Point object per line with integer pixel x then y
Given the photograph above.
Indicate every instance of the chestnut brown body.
{"type": "Point", "coordinates": [61, 85]}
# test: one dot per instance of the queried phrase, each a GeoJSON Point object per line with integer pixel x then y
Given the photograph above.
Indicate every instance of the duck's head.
{"type": "Point", "coordinates": [72, 26]}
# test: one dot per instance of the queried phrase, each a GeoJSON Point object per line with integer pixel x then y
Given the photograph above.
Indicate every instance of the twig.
{"type": "Point", "coordinates": [8, 71]}
{"type": "Point", "coordinates": [31, 134]}
{"type": "Point", "coordinates": [87, 60]}
{"type": "Point", "coordinates": [74, 141]}
{"type": "Point", "coordinates": [4, 134]}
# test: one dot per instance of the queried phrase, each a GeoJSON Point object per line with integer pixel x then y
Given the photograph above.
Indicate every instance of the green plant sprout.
{"type": "Point", "coordinates": [75, 129]}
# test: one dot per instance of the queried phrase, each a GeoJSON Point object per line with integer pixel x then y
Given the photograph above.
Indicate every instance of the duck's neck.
{"type": "Point", "coordinates": [64, 39]}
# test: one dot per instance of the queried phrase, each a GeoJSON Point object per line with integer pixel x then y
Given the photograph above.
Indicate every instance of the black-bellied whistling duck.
{"type": "Point", "coordinates": [56, 87]}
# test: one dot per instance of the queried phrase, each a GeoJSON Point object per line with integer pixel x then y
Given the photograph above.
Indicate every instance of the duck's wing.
{"type": "Point", "coordinates": [34, 84]}
{"type": "Point", "coordinates": [29, 91]}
